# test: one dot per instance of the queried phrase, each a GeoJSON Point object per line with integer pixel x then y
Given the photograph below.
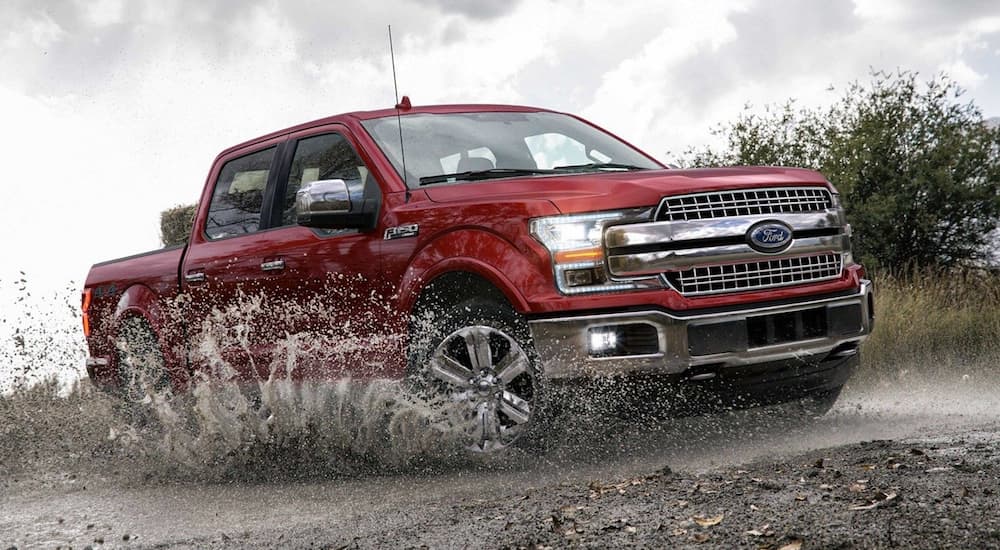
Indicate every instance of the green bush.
{"type": "Point", "coordinates": [918, 169]}
{"type": "Point", "coordinates": [175, 224]}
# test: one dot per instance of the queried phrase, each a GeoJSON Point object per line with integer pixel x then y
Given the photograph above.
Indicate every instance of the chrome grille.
{"type": "Point", "coordinates": [755, 275]}
{"type": "Point", "coordinates": [723, 204]}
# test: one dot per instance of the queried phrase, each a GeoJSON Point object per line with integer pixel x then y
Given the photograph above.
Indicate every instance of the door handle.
{"type": "Point", "coordinates": [195, 276]}
{"type": "Point", "coordinates": [273, 265]}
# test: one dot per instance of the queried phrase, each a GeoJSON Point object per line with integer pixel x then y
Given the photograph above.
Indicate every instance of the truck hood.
{"type": "Point", "coordinates": [573, 193]}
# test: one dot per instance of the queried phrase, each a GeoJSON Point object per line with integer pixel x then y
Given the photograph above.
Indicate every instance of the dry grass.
{"type": "Point", "coordinates": [926, 319]}
{"type": "Point", "coordinates": [43, 429]}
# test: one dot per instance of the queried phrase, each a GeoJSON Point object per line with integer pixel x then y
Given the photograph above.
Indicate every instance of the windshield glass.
{"type": "Point", "coordinates": [459, 147]}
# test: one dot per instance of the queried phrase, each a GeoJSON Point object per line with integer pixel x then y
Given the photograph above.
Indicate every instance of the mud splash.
{"type": "Point", "coordinates": [244, 415]}
{"type": "Point", "coordinates": [290, 423]}
{"type": "Point", "coordinates": [292, 429]}
{"type": "Point", "coordinates": [40, 335]}
{"type": "Point", "coordinates": [317, 406]}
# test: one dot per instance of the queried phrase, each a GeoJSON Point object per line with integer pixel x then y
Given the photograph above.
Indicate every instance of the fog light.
{"type": "Point", "coordinates": [623, 340]}
{"type": "Point", "coordinates": [603, 341]}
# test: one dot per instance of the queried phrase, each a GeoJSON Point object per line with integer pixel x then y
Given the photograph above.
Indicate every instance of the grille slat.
{"type": "Point", "coordinates": [756, 275]}
{"type": "Point", "coordinates": [744, 203]}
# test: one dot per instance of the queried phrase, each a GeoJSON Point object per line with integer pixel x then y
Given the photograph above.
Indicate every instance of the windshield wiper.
{"type": "Point", "coordinates": [476, 175]}
{"type": "Point", "coordinates": [599, 166]}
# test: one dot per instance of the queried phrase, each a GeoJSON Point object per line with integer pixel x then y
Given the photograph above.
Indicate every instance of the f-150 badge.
{"type": "Point", "coordinates": [402, 231]}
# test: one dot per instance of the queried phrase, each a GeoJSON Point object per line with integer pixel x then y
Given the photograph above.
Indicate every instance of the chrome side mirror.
{"type": "Point", "coordinates": [327, 204]}
{"type": "Point", "coordinates": [320, 199]}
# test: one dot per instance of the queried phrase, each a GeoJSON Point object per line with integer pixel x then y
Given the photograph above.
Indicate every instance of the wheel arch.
{"type": "Point", "coordinates": [141, 303]}
{"type": "Point", "coordinates": [453, 287]}
{"type": "Point", "coordinates": [470, 255]}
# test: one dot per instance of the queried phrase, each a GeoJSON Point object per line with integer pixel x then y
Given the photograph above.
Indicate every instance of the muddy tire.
{"type": "Point", "coordinates": [142, 373]}
{"type": "Point", "coordinates": [477, 358]}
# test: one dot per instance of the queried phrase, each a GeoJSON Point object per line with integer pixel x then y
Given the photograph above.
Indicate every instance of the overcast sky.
{"type": "Point", "coordinates": [112, 110]}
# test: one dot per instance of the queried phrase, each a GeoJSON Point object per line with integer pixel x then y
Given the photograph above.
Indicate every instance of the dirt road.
{"type": "Point", "coordinates": [915, 466]}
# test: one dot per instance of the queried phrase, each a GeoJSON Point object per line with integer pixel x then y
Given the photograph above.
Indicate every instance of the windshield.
{"type": "Point", "coordinates": [459, 147]}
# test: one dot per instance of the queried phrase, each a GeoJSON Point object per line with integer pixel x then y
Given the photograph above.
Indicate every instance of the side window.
{"type": "Point", "coordinates": [238, 195]}
{"type": "Point", "coordinates": [324, 157]}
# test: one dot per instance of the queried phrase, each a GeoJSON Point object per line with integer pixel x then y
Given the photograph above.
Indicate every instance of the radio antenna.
{"type": "Point", "coordinates": [392, 59]}
{"type": "Point", "coordinates": [405, 104]}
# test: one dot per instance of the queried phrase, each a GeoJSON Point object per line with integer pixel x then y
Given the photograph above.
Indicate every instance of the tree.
{"type": "Point", "coordinates": [918, 169]}
{"type": "Point", "coordinates": [175, 224]}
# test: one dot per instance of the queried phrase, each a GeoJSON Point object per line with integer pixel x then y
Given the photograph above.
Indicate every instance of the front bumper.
{"type": "Point", "coordinates": [701, 344]}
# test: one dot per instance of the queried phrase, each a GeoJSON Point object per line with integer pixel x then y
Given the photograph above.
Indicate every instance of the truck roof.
{"type": "Point", "coordinates": [380, 113]}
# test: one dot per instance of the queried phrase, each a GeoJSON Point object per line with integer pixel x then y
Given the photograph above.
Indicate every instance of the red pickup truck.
{"type": "Point", "coordinates": [506, 250]}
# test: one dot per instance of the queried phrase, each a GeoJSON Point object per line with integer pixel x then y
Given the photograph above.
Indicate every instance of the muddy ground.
{"type": "Point", "coordinates": [908, 464]}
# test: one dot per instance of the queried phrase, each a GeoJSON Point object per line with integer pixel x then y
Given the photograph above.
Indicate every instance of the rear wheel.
{"type": "Point", "coordinates": [477, 360]}
{"type": "Point", "coordinates": [142, 373]}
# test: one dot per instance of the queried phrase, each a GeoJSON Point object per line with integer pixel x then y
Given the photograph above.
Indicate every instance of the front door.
{"type": "Point", "coordinates": [328, 316]}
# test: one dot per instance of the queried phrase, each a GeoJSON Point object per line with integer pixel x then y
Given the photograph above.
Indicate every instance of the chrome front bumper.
{"type": "Point", "coordinates": [714, 339]}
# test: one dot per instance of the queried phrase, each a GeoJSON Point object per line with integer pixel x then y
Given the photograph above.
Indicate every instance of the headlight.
{"type": "Point", "coordinates": [576, 232]}
{"type": "Point", "coordinates": [848, 253]}
{"type": "Point", "coordinates": [575, 243]}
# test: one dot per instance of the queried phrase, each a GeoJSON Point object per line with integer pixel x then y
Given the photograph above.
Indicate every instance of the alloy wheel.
{"type": "Point", "coordinates": [490, 376]}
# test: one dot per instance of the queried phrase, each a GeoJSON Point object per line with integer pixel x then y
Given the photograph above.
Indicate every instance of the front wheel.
{"type": "Point", "coordinates": [476, 359]}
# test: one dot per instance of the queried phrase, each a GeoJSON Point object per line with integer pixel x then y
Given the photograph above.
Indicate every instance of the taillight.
{"type": "Point", "coordinates": [85, 306]}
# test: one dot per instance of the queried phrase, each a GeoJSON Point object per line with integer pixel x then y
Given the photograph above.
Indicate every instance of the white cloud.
{"type": "Point", "coordinates": [103, 12]}
{"type": "Point", "coordinates": [644, 87]}
{"type": "Point", "coordinates": [886, 10]}
{"type": "Point", "coordinates": [965, 75]}
{"type": "Point", "coordinates": [36, 30]}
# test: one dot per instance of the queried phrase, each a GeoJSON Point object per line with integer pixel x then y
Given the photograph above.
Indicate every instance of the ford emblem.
{"type": "Point", "coordinates": [770, 236]}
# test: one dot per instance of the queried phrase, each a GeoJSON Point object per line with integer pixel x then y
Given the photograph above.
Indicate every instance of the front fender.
{"type": "Point", "coordinates": [511, 269]}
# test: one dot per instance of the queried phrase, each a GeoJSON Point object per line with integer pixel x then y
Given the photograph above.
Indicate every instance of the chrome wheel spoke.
{"type": "Point", "coordinates": [483, 385]}
{"type": "Point", "coordinates": [487, 427]}
{"type": "Point", "coordinates": [512, 366]}
{"type": "Point", "coordinates": [515, 408]}
{"type": "Point", "coordinates": [450, 371]}
{"type": "Point", "coordinates": [477, 341]}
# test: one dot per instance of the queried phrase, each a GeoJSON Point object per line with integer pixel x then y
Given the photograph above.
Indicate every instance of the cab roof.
{"type": "Point", "coordinates": [381, 113]}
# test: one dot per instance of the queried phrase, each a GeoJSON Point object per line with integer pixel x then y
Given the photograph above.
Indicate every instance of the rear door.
{"type": "Point", "coordinates": [221, 271]}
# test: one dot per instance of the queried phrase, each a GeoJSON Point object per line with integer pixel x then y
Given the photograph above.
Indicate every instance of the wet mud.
{"type": "Point", "coordinates": [912, 464]}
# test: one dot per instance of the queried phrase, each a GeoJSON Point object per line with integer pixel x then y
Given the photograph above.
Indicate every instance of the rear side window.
{"type": "Point", "coordinates": [238, 195]}
{"type": "Point", "coordinates": [323, 157]}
